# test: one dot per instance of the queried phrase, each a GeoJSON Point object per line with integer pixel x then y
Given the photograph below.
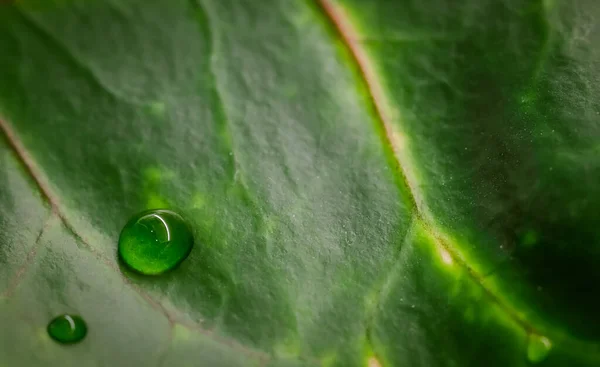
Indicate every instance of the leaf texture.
{"type": "Point", "coordinates": [369, 183]}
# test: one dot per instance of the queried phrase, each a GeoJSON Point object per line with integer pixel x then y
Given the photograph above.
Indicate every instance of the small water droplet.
{"type": "Point", "coordinates": [155, 241]}
{"type": "Point", "coordinates": [67, 329]}
{"type": "Point", "coordinates": [538, 348]}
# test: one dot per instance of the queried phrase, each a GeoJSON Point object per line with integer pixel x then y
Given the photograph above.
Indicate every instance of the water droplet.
{"type": "Point", "coordinates": [538, 348]}
{"type": "Point", "coordinates": [155, 241]}
{"type": "Point", "coordinates": [67, 329]}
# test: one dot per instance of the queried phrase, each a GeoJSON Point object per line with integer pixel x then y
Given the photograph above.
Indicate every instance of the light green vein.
{"type": "Point", "coordinates": [385, 115]}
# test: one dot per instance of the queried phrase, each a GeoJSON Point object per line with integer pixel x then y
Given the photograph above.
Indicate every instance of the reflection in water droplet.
{"type": "Point", "coordinates": [67, 329]}
{"type": "Point", "coordinates": [155, 241]}
{"type": "Point", "coordinates": [538, 348]}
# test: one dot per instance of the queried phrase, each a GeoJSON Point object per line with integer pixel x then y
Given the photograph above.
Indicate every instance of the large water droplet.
{"type": "Point", "coordinates": [67, 329]}
{"type": "Point", "coordinates": [155, 241]}
{"type": "Point", "coordinates": [538, 348]}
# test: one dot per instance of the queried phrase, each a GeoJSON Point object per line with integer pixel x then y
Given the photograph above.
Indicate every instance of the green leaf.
{"type": "Point", "coordinates": [369, 183]}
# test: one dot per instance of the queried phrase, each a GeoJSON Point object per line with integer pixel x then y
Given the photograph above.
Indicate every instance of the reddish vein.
{"type": "Point", "coordinates": [27, 162]}
{"type": "Point", "coordinates": [348, 35]}
{"type": "Point", "coordinates": [23, 156]}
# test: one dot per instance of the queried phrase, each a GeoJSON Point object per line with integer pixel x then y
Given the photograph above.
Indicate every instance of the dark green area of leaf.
{"type": "Point", "coordinates": [511, 105]}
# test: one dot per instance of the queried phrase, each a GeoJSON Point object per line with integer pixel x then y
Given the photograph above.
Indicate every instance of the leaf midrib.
{"type": "Point", "coordinates": [346, 33]}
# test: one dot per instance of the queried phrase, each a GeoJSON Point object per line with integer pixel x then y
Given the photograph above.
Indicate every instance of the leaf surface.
{"type": "Point", "coordinates": [370, 183]}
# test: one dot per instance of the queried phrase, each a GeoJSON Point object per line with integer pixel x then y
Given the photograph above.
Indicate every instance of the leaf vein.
{"type": "Point", "coordinates": [347, 35]}
{"type": "Point", "coordinates": [44, 188]}
{"type": "Point", "coordinates": [76, 60]}
{"type": "Point", "coordinates": [385, 116]}
{"type": "Point", "coordinates": [31, 255]}
{"type": "Point", "coordinates": [205, 28]}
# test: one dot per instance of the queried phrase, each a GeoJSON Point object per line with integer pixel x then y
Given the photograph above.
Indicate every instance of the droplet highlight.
{"type": "Point", "coordinates": [67, 329]}
{"type": "Point", "coordinates": [538, 348]}
{"type": "Point", "coordinates": [155, 241]}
